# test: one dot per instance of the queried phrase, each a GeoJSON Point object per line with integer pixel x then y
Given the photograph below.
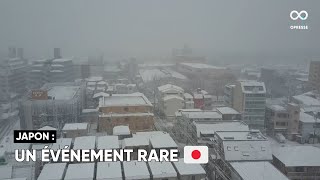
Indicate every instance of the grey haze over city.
{"type": "Point", "coordinates": [146, 29]}
{"type": "Point", "coordinates": [159, 90]}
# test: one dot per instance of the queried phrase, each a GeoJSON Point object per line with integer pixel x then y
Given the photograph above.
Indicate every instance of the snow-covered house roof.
{"type": "Point", "coordinates": [162, 141]}
{"type": "Point", "coordinates": [45, 128]}
{"type": "Point", "coordinates": [294, 156]}
{"type": "Point", "coordinates": [75, 126]}
{"type": "Point", "coordinates": [170, 87]}
{"type": "Point", "coordinates": [61, 143]}
{"type": "Point", "coordinates": [162, 169]}
{"type": "Point", "coordinates": [83, 171]}
{"type": "Point", "coordinates": [211, 128]}
{"type": "Point", "coordinates": [202, 115]}
{"type": "Point", "coordinates": [135, 141]}
{"type": "Point", "coordinates": [227, 110]}
{"type": "Point", "coordinates": [135, 170]}
{"type": "Point", "coordinates": [109, 170]}
{"type": "Point", "coordinates": [306, 118]}
{"type": "Point", "coordinates": [257, 171]}
{"type": "Point", "coordinates": [170, 97]}
{"type": "Point", "coordinates": [187, 96]}
{"type": "Point", "coordinates": [188, 169]}
{"type": "Point", "coordinates": [306, 100]}
{"type": "Point", "coordinates": [121, 130]}
{"type": "Point", "coordinates": [84, 142]}
{"type": "Point", "coordinates": [149, 75]}
{"type": "Point", "coordinates": [108, 142]}
{"type": "Point", "coordinates": [52, 171]}
{"type": "Point", "coordinates": [5, 172]}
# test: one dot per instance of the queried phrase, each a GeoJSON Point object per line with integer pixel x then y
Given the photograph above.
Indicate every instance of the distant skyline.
{"type": "Point", "coordinates": [144, 28]}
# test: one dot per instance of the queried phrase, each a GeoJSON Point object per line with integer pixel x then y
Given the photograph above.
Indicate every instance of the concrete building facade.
{"type": "Point", "coordinates": [249, 98]}
{"type": "Point", "coordinates": [134, 110]}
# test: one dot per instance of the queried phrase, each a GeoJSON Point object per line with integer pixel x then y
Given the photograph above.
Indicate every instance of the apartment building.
{"type": "Point", "coordinates": [13, 72]}
{"type": "Point", "coordinates": [171, 99]}
{"type": "Point", "coordinates": [314, 74]}
{"type": "Point", "coordinates": [298, 162]}
{"type": "Point", "coordinates": [134, 110]}
{"type": "Point", "coordinates": [249, 98]}
{"type": "Point", "coordinates": [53, 105]}
{"type": "Point", "coordinates": [283, 119]}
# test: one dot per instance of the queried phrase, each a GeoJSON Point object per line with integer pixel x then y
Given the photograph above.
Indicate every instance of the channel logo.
{"type": "Point", "coordinates": [196, 154]}
{"type": "Point", "coordinates": [302, 15]}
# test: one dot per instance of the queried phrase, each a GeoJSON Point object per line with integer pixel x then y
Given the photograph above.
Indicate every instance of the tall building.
{"type": "Point", "coordinates": [53, 105]}
{"type": "Point", "coordinates": [314, 74]}
{"type": "Point", "coordinates": [13, 75]}
{"type": "Point", "coordinates": [50, 71]}
{"type": "Point", "coordinates": [248, 98]}
{"type": "Point", "coordinates": [283, 119]}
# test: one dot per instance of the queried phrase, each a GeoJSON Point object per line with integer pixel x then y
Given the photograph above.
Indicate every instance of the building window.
{"type": "Point", "coordinates": [126, 109]}
{"type": "Point", "coordinates": [299, 169]}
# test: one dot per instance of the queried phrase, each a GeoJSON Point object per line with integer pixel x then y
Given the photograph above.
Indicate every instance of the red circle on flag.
{"type": "Point", "coordinates": [196, 154]}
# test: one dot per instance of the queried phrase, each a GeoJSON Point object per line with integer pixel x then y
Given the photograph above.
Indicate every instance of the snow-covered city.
{"type": "Point", "coordinates": [249, 110]}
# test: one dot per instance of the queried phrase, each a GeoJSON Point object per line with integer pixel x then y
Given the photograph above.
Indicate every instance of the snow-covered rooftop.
{"type": "Point", "coordinates": [162, 170]}
{"type": "Point", "coordinates": [306, 100]}
{"type": "Point", "coordinates": [149, 75]}
{"type": "Point", "coordinates": [257, 171]}
{"type": "Point", "coordinates": [276, 107]}
{"type": "Point", "coordinates": [75, 126]}
{"type": "Point", "coordinates": [108, 142]}
{"type": "Point", "coordinates": [169, 87]}
{"type": "Point", "coordinates": [175, 74]}
{"type": "Point", "coordinates": [294, 156]}
{"type": "Point", "coordinates": [245, 146]}
{"type": "Point", "coordinates": [211, 128]}
{"type": "Point", "coordinates": [125, 114]}
{"type": "Point", "coordinates": [135, 170]}
{"type": "Point", "coordinates": [189, 169]}
{"type": "Point", "coordinates": [169, 97]}
{"type": "Point", "coordinates": [84, 142]}
{"type": "Point", "coordinates": [134, 99]}
{"type": "Point", "coordinates": [227, 110]}
{"type": "Point", "coordinates": [187, 96]}
{"type": "Point", "coordinates": [61, 60]}
{"type": "Point", "coordinates": [202, 115]}
{"type": "Point", "coordinates": [80, 171]}
{"type": "Point", "coordinates": [5, 172]}
{"type": "Point", "coordinates": [121, 130]}
{"type": "Point", "coordinates": [89, 110]}
{"type": "Point", "coordinates": [109, 170]}
{"type": "Point", "coordinates": [249, 86]}
{"type": "Point", "coordinates": [63, 92]}
{"type": "Point", "coordinates": [52, 171]}
{"type": "Point", "coordinates": [202, 66]}
{"type": "Point", "coordinates": [61, 143]}
{"type": "Point", "coordinates": [162, 141]}
{"type": "Point", "coordinates": [47, 128]}
{"type": "Point", "coordinates": [135, 141]}
{"type": "Point", "coordinates": [306, 118]}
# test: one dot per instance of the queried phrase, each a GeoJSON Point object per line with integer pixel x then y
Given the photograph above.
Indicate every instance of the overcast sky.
{"type": "Point", "coordinates": [153, 27]}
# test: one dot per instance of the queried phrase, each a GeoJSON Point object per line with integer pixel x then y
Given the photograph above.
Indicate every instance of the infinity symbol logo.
{"type": "Point", "coordinates": [295, 15]}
